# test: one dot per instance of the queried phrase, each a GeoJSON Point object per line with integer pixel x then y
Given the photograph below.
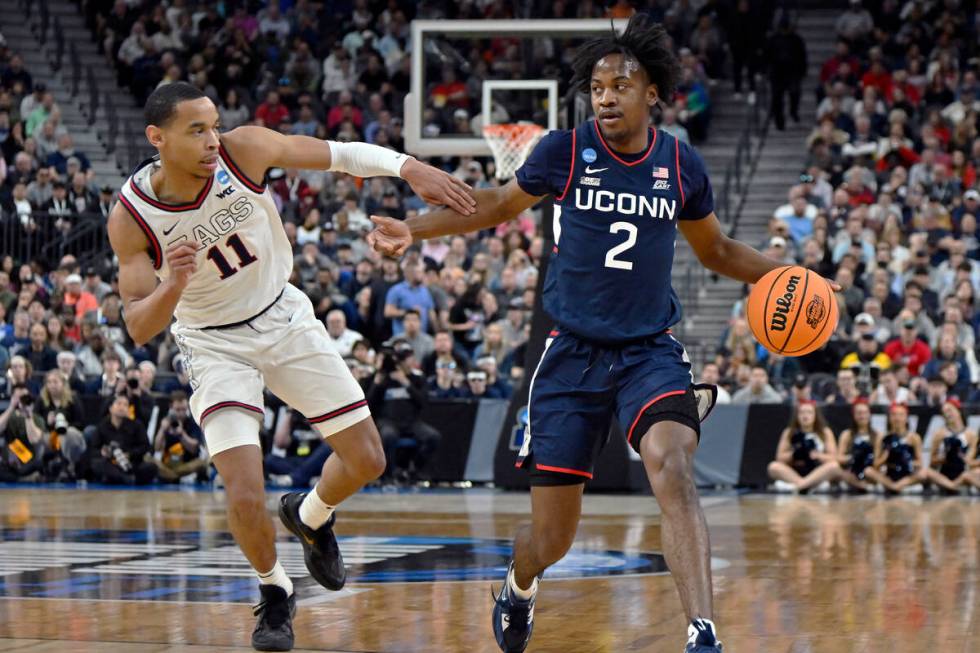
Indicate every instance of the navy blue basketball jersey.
{"type": "Point", "coordinates": [615, 225]}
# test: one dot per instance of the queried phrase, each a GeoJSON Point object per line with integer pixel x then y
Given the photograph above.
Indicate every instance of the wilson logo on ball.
{"type": "Point", "coordinates": [784, 304]}
{"type": "Point", "coordinates": [815, 311]}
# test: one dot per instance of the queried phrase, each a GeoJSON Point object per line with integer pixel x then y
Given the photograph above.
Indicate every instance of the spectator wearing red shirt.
{"type": "Point", "coordinates": [451, 92]}
{"type": "Point", "coordinates": [344, 110]}
{"type": "Point", "coordinates": [272, 111]}
{"type": "Point", "coordinates": [842, 56]}
{"type": "Point", "coordinates": [879, 78]}
{"type": "Point", "coordinates": [908, 350]}
{"type": "Point", "coordinates": [82, 300]}
{"type": "Point", "coordinates": [900, 81]}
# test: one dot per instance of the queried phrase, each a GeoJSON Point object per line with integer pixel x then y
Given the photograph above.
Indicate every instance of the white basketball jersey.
{"type": "Point", "coordinates": [244, 258]}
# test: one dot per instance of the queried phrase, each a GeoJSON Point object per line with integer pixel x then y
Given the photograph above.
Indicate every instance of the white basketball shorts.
{"type": "Point", "coordinates": [286, 349]}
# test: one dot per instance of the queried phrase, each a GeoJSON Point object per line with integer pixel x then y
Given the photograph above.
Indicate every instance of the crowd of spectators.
{"type": "Point", "coordinates": [886, 205]}
{"type": "Point", "coordinates": [451, 319]}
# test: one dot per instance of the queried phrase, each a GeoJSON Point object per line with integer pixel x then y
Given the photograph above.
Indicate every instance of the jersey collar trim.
{"type": "Point", "coordinates": [237, 171]}
{"type": "Point", "coordinates": [172, 208]}
{"type": "Point", "coordinates": [629, 164]}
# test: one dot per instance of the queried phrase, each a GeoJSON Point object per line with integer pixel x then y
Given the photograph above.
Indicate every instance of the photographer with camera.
{"type": "Point", "coordinates": [952, 446]}
{"type": "Point", "coordinates": [119, 451]}
{"type": "Point", "coordinates": [128, 383]}
{"type": "Point", "coordinates": [397, 396]}
{"type": "Point", "coordinates": [23, 438]}
{"type": "Point", "coordinates": [177, 445]}
{"type": "Point", "coordinates": [64, 420]}
{"type": "Point", "coordinates": [807, 453]}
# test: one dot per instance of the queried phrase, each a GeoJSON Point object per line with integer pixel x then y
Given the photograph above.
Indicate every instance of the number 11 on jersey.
{"type": "Point", "coordinates": [226, 269]}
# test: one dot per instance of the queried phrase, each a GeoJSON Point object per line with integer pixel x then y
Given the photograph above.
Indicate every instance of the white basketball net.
{"type": "Point", "coordinates": [510, 144]}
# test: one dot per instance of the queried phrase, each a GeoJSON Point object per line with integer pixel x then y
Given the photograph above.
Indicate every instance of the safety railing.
{"type": "Point", "coordinates": [37, 239]}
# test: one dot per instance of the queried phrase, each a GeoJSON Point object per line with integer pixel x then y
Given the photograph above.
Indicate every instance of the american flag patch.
{"type": "Point", "coordinates": [660, 173]}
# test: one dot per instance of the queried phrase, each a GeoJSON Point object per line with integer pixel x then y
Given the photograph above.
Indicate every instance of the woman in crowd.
{"type": "Point", "coordinates": [900, 452]}
{"type": "Point", "coordinates": [65, 422]}
{"type": "Point", "coordinates": [807, 452]}
{"type": "Point", "coordinates": [860, 446]}
{"type": "Point", "coordinates": [952, 446]}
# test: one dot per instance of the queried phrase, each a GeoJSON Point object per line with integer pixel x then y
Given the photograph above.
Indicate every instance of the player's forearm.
{"type": "Point", "coordinates": [147, 317]}
{"type": "Point", "coordinates": [737, 260]}
{"type": "Point", "coordinates": [446, 222]}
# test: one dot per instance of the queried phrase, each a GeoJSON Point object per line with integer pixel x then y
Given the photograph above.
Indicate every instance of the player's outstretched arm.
{"type": "Point", "coordinates": [256, 149]}
{"type": "Point", "coordinates": [149, 306]}
{"type": "Point", "coordinates": [493, 206]}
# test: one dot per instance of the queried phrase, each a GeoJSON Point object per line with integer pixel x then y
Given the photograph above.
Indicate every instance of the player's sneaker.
{"type": "Point", "coordinates": [706, 395]}
{"type": "Point", "coordinates": [513, 619]}
{"type": "Point", "coordinates": [274, 628]}
{"type": "Point", "coordinates": [701, 638]}
{"type": "Point", "coordinates": [320, 550]}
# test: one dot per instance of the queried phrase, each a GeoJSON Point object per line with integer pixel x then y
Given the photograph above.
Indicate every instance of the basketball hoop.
{"type": "Point", "coordinates": [510, 144]}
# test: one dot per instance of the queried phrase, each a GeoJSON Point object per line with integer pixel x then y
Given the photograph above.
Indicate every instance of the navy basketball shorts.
{"type": "Point", "coordinates": [580, 385]}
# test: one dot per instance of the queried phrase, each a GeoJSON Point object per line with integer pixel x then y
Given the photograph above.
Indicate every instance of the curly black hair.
{"type": "Point", "coordinates": [643, 40]}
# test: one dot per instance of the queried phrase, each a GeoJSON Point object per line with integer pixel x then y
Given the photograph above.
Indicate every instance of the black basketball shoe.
{"type": "Point", "coordinates": [320, 550]}
{"type": "Point", "coordinates": [274, 628]}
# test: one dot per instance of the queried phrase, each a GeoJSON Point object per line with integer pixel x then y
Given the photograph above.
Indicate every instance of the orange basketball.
{"type": "Point", "coordinates": [792, 311]}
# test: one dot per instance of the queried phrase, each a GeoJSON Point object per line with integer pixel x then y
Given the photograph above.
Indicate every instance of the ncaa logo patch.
{"type": "Point", "coordinates": [589, 155]}
{"type": "Point", "coordinates": [223, 177]}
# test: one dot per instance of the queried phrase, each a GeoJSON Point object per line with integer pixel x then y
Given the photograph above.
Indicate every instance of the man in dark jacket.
{"type": "Point", "coordinates": [786, 54]}
{"type": "Point", "coordinates": [120, 449]}
{"type": "Point", "coordinates": [396, 396]}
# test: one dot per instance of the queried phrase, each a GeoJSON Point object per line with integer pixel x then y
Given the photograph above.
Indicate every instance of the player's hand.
{"type": "Point", "coordinates": [438, 187]}
{"type": "Point", "coordinates": [182, 259]}
{"type": "Point", "coordinates": [390, 237]}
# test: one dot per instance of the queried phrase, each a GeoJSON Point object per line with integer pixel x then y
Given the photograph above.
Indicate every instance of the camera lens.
{"type": "Point", "coordinates": [133, 383]}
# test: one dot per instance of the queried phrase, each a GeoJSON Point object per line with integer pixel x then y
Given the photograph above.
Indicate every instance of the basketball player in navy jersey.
{"type": "Point", "coordinates": [621, 191]}
{"type": "Point", "coordinates": [199, 239]}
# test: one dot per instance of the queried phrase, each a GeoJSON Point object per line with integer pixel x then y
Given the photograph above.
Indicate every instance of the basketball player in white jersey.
{"type": "Point", "coordinates": [199, 238]}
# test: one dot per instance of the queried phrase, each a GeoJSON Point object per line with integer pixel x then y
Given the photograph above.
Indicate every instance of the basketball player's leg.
{"type": "Point", "coordinates": [555, 513]}
{"type": "Point", "coordinates": [569, 406]}
{"type": "Point", "coordinates": [304, 370]}
{"type": "Point", "coordinates": [667, 449]}
{"type": "Point", "coordinates": [357, 459]}
{"type": "Point", "coordinates": [660, 410]}
{"type": "Point", "coordinates": [233, 437]}
{"type": "Point", "coordinates": [241, 469]}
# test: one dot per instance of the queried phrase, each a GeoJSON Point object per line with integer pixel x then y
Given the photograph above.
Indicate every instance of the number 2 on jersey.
{"type": "Point", "coordinates": [611, 260]}
{"type": "Point", "coordinates": [226, 269]}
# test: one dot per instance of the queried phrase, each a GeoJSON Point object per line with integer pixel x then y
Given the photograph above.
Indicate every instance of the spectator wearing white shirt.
{"type": "Point", "coordinates": [341, 337]}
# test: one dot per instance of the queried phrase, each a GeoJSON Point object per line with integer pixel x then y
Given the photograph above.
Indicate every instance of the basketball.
{"type": "Point", "coordinates": [792, 311]}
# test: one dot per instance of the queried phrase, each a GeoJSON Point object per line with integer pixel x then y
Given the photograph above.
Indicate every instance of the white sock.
{"type": "Point", "coordinates": [693, 631]}
{"type": "Point", "coordinates": [276, 577]}
{"type": "Point", "coordinates": [523, 595]}
{"type": "Point", "coordinates": [313, 511]}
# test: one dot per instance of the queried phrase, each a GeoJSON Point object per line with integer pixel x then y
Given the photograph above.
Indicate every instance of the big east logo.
{"type": "Point", "coordinates": [777, 321]}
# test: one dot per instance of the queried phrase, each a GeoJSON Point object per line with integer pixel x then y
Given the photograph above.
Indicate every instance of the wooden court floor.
{"type": "Point", "coordinates": [153, 571]}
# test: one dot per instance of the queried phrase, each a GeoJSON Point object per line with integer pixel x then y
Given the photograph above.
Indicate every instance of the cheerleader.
{"type": "Point", "coordinates": [952, 446]}
{"type": "Point", "coordinates": [807, 452]}
{"type": "Point", "coordinates": [900, 452]}
{"type": "Point", "coordinates": [860, 447]}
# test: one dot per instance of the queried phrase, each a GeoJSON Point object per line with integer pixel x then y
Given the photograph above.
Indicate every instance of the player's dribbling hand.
{"type": "Point", "coordinates": [390, 237]}
{"type": "Point", "coordinates": [182, 259]}
{"type": "Point", "coordinates": [438, 187]}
